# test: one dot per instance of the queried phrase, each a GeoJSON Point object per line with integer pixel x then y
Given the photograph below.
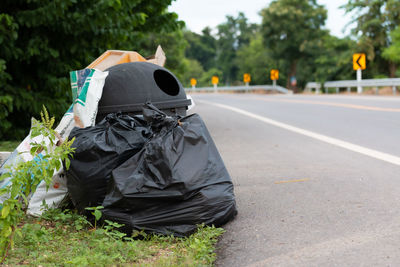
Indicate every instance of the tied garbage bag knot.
{"type": "Point", "coordinates": [157, 119]}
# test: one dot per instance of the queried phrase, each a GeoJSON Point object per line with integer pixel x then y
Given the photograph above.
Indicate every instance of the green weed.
{"type": "Point", "coordinates": [24, 177]}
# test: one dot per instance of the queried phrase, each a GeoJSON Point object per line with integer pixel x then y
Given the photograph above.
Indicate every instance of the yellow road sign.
{"type": "Point", "coordinates": [359, 61]}
{"type": "Point", "coordinates": [214, 80]}
{"type": "Point", "coordinates": [274, 74]}
{"type": "Point", "coordinates": [246, 78]}
{"type": "Point", "coordinates": [193, 82]}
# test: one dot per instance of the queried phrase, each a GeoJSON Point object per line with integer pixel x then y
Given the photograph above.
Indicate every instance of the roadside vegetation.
{"type": "Point", "coordinates": [64, 238]}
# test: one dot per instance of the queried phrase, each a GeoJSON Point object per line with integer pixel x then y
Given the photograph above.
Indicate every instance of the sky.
{"type": "Point", "coordinates": [199, 14]}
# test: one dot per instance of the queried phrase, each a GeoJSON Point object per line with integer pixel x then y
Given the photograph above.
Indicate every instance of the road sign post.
{"type": "Point", "coordinates": [359, 63]}
{"type": "Point", "coordinates": [246, 79]}
{"type": "Point", "coordinates": [359, 78]}
{"type": "Point", "coordinates": [214, 81]}
{"type": "Point", "coordinates": [274, 74]}
{"type": "Point", "coordinates": [193, 82]}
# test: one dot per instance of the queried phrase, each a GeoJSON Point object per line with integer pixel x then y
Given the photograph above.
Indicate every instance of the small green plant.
{"type": "Point", "coordinates": [111, 230]}
{"type": "Point", "coordinates": [96, 212]}
{"type": "Point", "coordinates": [66, 216]}
{"type": "Point", "coordinates": [24, 177]}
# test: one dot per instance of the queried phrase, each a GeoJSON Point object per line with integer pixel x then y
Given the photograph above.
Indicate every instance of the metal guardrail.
{"type": "Point", "coordinates": [364, 83]}
{"type": "Point", "coordinates": [375, 83]}
{"type": "Point", "coordinates": [312, 85]}
{"type": "Point", "coordinates": [241, 88]}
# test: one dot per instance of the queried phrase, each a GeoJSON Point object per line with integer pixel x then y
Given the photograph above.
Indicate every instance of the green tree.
{"type": "Point", "coordinates": [289, 27]}
{"type": "Point", "coordinates": [208, 40]}
{"type": "Point", "coordinates": [172, 43]}
{"type": "Point", "coordinates": [201, 47]}
{"type": "Point", "coordinates": [256, 59]}
{"type": "Point", "coordinates": [392, 52]}
{"type": "Point", "coordinates": [334, 62]}
{"type": "Point", "coordinates": [205, 79]}
{"type": "Point", "coordinates": [330, 59]}
{"type": "Point", "coordinates": [374, 22]}
{"type": "Point", "coordinates": [232, 35]}
{"type": "Point", "coordinates": [193, 69]}
{"type": "Point", "coordinates": [42, 40]}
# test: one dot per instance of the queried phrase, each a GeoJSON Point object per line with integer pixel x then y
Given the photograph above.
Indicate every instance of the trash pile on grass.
{"type": "Point", "coordinates": [137, 153]}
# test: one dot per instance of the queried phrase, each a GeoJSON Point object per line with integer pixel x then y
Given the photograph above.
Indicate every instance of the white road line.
{"type": "Point", "coordinates": [333, 141]}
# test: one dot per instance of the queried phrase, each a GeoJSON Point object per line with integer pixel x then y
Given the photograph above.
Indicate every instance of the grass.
{"type": "Point", "coordinates": [67, 239]}
{"type": "Point", "coordinates": [9, 145]}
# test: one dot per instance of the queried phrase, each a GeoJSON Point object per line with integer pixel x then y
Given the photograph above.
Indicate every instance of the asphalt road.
{"type": "Point", "coordinates": [317, 178]}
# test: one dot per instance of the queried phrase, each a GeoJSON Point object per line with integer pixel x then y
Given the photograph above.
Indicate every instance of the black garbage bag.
{"type": "Point", "coordinates": [177, 181]}
{"type": "Point", "coordinates": [99, 150]}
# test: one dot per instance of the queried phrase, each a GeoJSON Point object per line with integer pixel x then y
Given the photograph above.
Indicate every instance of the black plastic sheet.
{"type": "Point", "coordinates": [175, 182]}
{"type": "Point", "coordinates": [99, 150]}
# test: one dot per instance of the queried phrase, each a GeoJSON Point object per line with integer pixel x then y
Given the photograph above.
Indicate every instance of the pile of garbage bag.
{"type": "Point", "coordinates": [151, 172]}
{"type": "Point", "coordinates": [154, 169]}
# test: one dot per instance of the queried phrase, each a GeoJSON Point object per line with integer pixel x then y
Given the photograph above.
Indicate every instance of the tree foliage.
{"type": "Point", "coordinates": [240, 47]}
{"type": "Point", "coordinates": [392, 52]}
{"type": "Point", "coordinates": [293, 40]}
{"type": "Point", "coordinates": [289, 27]}
{"type": "Point", "coordinates": [256, 60]}
{"type": "Point", "coordinates": [172, 42]}
{"type": "Point", "coordinates": [201, 47]}
{"type": "Point", "coordinates": [374, 22]}
{"type": "Point", "coordinates": [331, 60]}
{"type": "Point", "coordinates": [231, 36]}
{"type": "Point", "coordinates": [193, 69]}
{"type": "Point", "coordinates": [205, 79]}
{"type": "Point", "coordinates": [42, 40]}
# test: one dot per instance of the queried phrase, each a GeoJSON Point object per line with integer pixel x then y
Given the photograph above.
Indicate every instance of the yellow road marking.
{"type": "Point", "coordinates": [292, 181]}
{"type": "Point", "coordinates": [332, 104]}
